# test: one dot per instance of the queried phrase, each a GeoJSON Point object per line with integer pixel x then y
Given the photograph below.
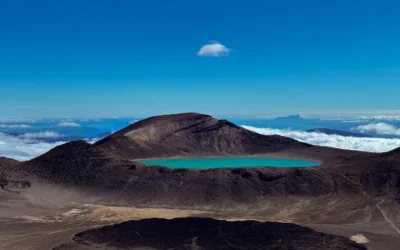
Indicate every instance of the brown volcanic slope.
{"type": "Point", "coordinates": [190, 134]}
{"type": "Point", "coordinates": [4, 162]}
{"type": "Point", "coordinates": [80, 163]}
{"type": "Point", "coordinates": [203, 233]}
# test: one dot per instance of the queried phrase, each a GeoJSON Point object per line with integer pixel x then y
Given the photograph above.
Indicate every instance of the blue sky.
{"type": "Point", "coordinates": [137, 58]}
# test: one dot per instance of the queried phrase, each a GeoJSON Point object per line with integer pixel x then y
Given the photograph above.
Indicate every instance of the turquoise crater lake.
{"type": "Point", "coordinates": [230, 162]}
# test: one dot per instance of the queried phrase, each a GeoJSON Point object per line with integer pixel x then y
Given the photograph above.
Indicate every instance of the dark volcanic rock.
{"type": "Point", "coordinates": [191, 134]}
{"type": "Point", "coordinates": [9, 174]}
{"type": "Point", "coordinates": [202, 233]}
{"type": "Point", "coordinates": [7, 162]}
{"type": "Point", "coordinates": [80, 163]}
{"type": "Point", "coordinates": [394, 153]}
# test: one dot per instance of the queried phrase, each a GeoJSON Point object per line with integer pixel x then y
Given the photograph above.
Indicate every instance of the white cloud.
{"type": "Point", "coordinates": [379, 128]}
{"type": "Point", "coordinates": [93, 140]}
{"type": "Point", "coordinates": [336, 141]}
{"type": "Point", "coordinates": [23, 149]}
{"type": "Point", "coordinates": [41, 135]}
{"type": "Point", "coordinates": [27, 146]}
{"type": "Point", "coordinates": [214, 49]}
{"type": "Point", "coordinates": [369, 118]}
{"type": "Point", "coordinates": [17, 120]}
{"type": "Point", "coordinates": [14, 126]}
{"type": "Point", "coordinates": [381, 117]}
{"type": "Point", "coordinates": [68, 124]}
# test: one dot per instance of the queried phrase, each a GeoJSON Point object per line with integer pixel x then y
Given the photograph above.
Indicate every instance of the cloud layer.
{"type": "Point", "coordinates": [381, 117]}
{"type": "Point", "coordinates": [20, 148]}
{"type": "Point", "coordinates": [68, 124]}
{"type": "Point", "coordinates": [213, 50]}
{"type": "Point", "coordinates": [41, 135]}
{"type": "Point", "coordinates": [30, 145]}
{"type": "Point", "coordinates": [379, 128]}
{"type": "Point", "coordinates": [372, 118]}
{"type": "Point", "coordinates": [336, 141]}
{"type": "Point", "coordinates": [14, 126]}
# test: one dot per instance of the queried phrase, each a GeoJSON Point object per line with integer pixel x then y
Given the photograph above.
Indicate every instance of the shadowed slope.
{"type": "Point", "coordinates": [7, 162]}
{"type": "Point", "coordinates": [202, 233]}
{"type": "Point", "coordinates": [80, 163]}
{"type": "Point", "coordinates": [395, 154]}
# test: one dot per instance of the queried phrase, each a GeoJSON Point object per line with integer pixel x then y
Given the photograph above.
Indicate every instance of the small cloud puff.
{"type": "Point", "coordinates": [93, 140]}
{"type": "Point", "coordinates": [213, 49]}
{"type": "Point", "coordinates": [68, 124]}
{"type": "Point", "coordinates": [379, 128]}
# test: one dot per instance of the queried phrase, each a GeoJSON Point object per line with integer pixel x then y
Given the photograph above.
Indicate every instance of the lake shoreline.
{"type": "Point", "coordinates": [230, 162]}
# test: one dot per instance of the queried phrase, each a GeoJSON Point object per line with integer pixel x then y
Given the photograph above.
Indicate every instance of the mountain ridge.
{"type": "Point", "coordinates": [191, 133]}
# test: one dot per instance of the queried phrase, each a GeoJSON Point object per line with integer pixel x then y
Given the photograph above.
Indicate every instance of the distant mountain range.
{"type": "Point", "coordinates": [289, 118]}
{"type": "Point", "coordinates": [297, 122]}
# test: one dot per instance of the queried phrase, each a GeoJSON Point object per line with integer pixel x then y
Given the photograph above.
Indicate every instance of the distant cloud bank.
{"type": "Point", "coordinates": [68, 124]}
{"type": "Point", "coordinates": [381, 117]}
{"type": "Point", "coordinates": [379, 128]}
{"type": "Point", "coordinates": [372, 118]}
{"type": "Point", "coordinates": [30, 145]}
{"type": "Point", "coordinates": [336, 141]}
{"type": "Point", "coordinates": [25, 147]}
{"type": "Point", "coordinates": [214, 49]}
{"type": "Point", "coordinates": [41, 135]}
{"type": "Point", "coordinates": [14, 126]}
